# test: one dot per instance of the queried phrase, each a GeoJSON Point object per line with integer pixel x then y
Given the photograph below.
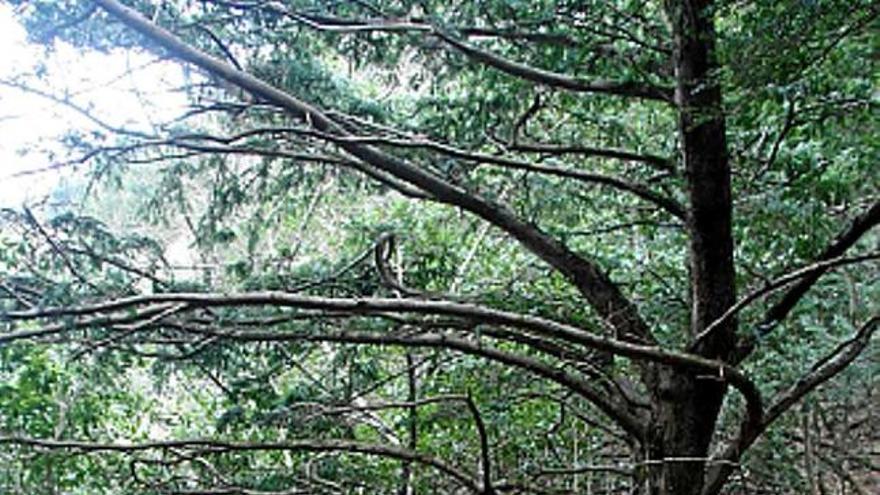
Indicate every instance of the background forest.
{"type": "Point", "coordinates": [486, 247]}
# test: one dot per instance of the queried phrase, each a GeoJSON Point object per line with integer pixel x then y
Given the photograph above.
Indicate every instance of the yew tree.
{"type": "Point", "coordinates": [449, 247]}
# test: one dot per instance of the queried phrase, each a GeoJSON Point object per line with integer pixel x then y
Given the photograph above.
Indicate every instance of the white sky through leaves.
{"type": "Point", "coordinates": [120, 88]}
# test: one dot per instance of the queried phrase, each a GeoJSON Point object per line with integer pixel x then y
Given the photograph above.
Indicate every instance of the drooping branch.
{"type": "Point", "coordinates": [615, 409]}
{"type": "Point", "coordinates": [367, 306]}
{"type": "Point", "coordinates": [67, 102]}
{"type": "Point", "coordinates": [639, 190]}
{"type": "Point", "coordinates": [129, 319]}
{"type": "Point", "coordinates": [55, 329]}
{"type": "Point", "coordinates": [378, 175]}
{"type": "Point", "coordinates": [61, 253]}
{"type": "Point", "coordinates": [194, 147]}
{"type": "Point", "coordinates": [415, 24]}
{"type": "Point", "coordinates": [604, 296]}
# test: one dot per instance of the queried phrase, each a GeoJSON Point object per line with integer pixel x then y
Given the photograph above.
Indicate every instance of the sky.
{"type": "Point", "coordinates": [121, 88]}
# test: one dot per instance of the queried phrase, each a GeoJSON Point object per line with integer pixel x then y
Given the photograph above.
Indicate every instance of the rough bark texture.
{"type": "Point", "coordinates": [686, 406]}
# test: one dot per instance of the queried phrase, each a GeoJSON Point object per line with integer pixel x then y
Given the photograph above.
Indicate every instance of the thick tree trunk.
{"type": "Point", "coordinates": [685, 406]}
{"type": "Point", "coordinates": [685, 409]}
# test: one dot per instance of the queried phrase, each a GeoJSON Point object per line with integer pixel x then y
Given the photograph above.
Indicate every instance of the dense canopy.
{"type": "Point", "coordinates": [485, 247]}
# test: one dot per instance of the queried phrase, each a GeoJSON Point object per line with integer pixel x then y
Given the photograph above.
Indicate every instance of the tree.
{"type": "Point", "coordinates": [644, 162]}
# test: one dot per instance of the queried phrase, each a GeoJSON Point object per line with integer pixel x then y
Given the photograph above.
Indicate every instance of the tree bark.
{"type": "Point", "coordinates": [685, 405]}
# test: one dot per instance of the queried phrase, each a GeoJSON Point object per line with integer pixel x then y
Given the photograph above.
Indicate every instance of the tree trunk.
{"type": "Point", "coordinates": [685, 406]}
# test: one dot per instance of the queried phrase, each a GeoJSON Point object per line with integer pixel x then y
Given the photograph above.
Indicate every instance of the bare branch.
{"type": "Point", "coordinates": [36, 225]}
{"type": "Point", "coordinates": [85, 112]}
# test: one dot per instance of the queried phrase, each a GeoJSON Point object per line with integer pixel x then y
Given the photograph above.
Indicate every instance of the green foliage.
{"type": "Point", "coordinates": [240, 197]}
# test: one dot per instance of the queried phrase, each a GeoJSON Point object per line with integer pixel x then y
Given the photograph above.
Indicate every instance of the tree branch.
{"type": "Point", "coordinates": [377, 306]}
{"type": "Point", "coordinates": [824, 370]}
{"type": "Point", "coordinates": [223, 446]}
{"type": "Point", "coordinates": [778, 284]}
{"type": "Point", "coordinates": [603, 295]}
{"type": "Point", "coordinates": [846, 239]}
{"type": "Point", "coordinates": [666, 203]}
{"type": "Point", "coordinates": [485, 453]}
{"type": "Point", "coordinates": [658, 162]}
{"type": "Point", "coordinates": [554, 79]}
